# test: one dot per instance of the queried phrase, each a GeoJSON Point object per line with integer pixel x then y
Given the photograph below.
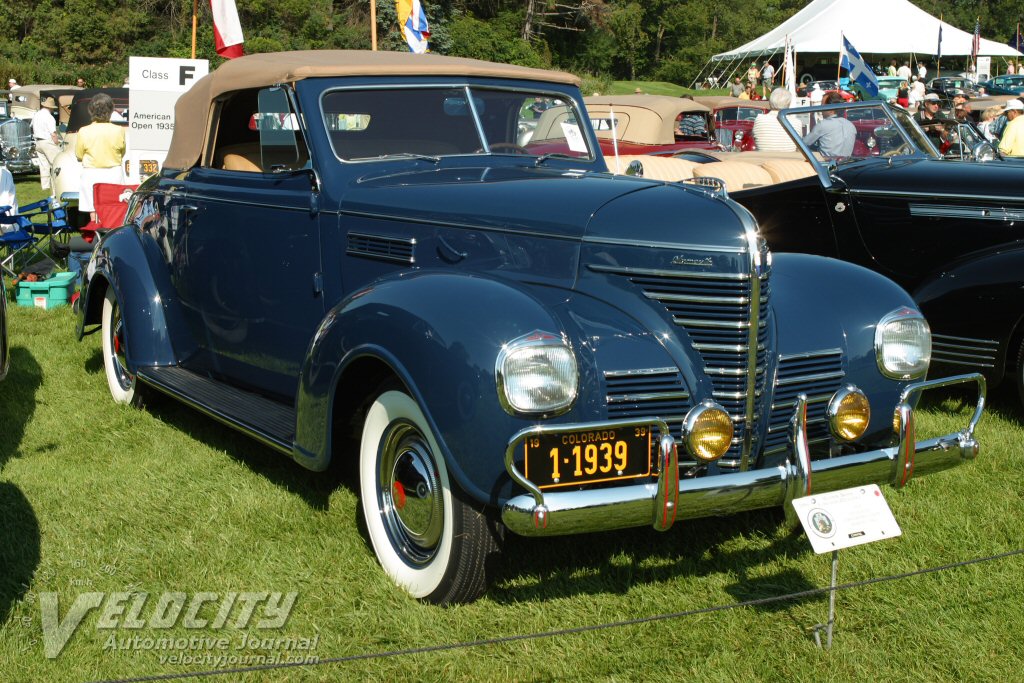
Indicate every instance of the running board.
{"type": "Point", "coordinates": [268, 421]}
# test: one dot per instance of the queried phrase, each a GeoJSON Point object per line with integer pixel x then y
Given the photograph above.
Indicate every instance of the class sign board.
{"type": "Point", "coordinates": [845, 518]}
{"type": "Point", "coordinates": [156, 83]}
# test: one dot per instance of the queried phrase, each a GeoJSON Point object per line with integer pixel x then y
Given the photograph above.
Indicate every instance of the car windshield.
{"type": "Point", "coordinates": [843, 133]}
{"type": "Point", "coordinates": [382, 123]}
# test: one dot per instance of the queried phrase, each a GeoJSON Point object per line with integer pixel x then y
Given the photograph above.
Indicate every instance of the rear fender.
{"type": "Point", "coordinates": [154, 331]}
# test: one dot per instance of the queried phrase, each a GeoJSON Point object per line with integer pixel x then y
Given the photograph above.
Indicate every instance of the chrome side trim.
{"type": "Point", "coordinates": [980, 213]}
{"type": "Point", "coordinates": [658, 272]}
{"type": "Point", "coordinates": [641, 372]}
{"type": "Point", "coordinates": [633, 398]}
{"type": "Point", "coordinates": [679, 246]}
{"type": "Point", "coordinates": [929, 195]}
{"type": "Point", "coordinates": [620, 507]}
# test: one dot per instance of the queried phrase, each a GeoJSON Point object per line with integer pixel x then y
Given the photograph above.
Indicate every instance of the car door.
{"type": "Point", "coordinates": [248, 274]}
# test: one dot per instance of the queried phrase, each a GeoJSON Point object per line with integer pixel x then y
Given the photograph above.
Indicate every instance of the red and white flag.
{"type": "Point", "coordinates": [227, 30]}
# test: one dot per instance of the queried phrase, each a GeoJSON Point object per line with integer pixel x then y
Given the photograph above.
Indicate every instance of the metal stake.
{"type": "Point", "coordinates": [831, 607]}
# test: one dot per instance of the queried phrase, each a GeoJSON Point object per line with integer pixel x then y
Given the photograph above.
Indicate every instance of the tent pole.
{"type": "Point", "coordinates": [700, 74]}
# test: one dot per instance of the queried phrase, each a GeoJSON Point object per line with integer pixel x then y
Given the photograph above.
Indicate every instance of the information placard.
{"type": "Point", "coordinates": [156, 83]}
{"type": "Point", "coordinates": [845, 518]}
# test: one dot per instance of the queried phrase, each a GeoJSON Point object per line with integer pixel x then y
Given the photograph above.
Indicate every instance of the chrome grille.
{"type": "Point", "coordinates": [977, 353]}
{"type": "Point", "coordinates": [818, 374]}
{"type": "Point", "coordinates": [715, 309]}
{"type": "Point", "coordinates": [653, 392]}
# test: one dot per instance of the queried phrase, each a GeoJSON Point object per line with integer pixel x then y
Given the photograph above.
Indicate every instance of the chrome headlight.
{"type": "Point", "coordinates": [848, 413]}
{"type": "Point", "coordinates": [13, 153]}
{"type": "Point", "coordinates": [903, 344]}
{"type": "Point", "coordinates": [707, 431]}
{"type": "Point", "coordinates": [537, 373]}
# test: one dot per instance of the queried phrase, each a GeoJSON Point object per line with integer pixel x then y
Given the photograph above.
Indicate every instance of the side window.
{"type": "Point", "coordinates": [257, 132]}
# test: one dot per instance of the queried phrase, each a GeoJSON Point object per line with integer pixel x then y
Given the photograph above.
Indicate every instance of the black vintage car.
{"type": "Point", "coordinates": [500, 334]}
{"type": "Point", "coordinates": [946, 229]}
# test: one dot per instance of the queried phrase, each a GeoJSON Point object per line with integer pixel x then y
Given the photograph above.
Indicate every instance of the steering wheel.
{"type": "Point", "coordinates": [508, 146]}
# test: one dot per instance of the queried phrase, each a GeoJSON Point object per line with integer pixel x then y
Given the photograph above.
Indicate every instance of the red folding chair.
{"type": "Point", "coordinates": [111, 206]}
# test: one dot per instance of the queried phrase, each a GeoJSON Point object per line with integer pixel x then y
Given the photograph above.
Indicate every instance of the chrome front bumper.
{"type": "Point", "coordinates": [661, 503]}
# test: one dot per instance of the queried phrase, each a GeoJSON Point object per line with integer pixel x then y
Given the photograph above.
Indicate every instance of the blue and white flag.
{"type": "Point", "coordinates": [859, 70]}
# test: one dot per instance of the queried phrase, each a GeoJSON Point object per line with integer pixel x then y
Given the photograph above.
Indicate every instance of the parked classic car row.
{"type": "Point", "coordinates": [504, 337]}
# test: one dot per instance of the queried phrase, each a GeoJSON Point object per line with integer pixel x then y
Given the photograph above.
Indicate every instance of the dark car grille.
{"type": "Point", "coordinates": [977, 353]}
{"type": "Point", "coordinates": [716, 312]}
{"type": "Point", "coordinates": [818, 375]}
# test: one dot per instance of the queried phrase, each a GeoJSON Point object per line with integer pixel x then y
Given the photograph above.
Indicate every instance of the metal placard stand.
{"type": "Point", "coordinates": [827, 626]}
{"type": "Point", "coordinates": [842, 519]}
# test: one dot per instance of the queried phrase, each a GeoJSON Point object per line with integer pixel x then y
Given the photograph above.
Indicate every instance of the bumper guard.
{"type": "Point", "coordinates": [661, 503]}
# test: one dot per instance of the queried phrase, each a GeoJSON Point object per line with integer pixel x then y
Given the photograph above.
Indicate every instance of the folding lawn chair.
{"type": "Point", "coordinates": [18, 246]}
{"type": "Point", "coordinates": [48, 220]}
{"type": "Point", "coordinates": [110, 201]}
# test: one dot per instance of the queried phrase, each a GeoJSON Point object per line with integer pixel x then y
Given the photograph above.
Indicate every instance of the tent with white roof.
{"type": "Point", "coordinates": [889, 27]}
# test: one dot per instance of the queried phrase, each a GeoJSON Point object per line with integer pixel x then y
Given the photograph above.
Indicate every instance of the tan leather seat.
{"type": "Point", "coordinates": [784, 170]}
{"type": "Point", "coordinates": [656, 168]}
{"type": "Point", "coordinates": [737, 175]}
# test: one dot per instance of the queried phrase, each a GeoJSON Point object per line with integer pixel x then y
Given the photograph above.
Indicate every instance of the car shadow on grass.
{"type": "Point", "coordinates": [613, 562]}
{"type": "Point", "coordinates": [19, 546]}
{"type": "Point", "coordinates": [315, 488]}
{"type": "Point", "coordinates": [17, 401]}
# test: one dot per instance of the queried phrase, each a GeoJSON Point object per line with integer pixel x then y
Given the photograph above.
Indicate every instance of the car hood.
{"type": "Point", "coordinates": [938, 177]}
{"type": "Point", "coordinates": [554, 202]}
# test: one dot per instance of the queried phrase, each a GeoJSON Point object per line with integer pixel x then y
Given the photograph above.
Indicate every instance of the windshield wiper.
{"type": "Point", "coordinates": [553, 155]}
{"type": "Point", "coordinates": [410, 155]}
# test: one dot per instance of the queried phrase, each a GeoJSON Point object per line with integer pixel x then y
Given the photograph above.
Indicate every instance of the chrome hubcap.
{"type": "Point", "coordinates": [410, 493]}
{"type": "Point", "coordinates": [117, 351]}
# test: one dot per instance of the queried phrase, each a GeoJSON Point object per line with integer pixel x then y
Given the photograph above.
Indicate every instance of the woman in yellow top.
{"type": "Point", "coordinates": [100, 147]}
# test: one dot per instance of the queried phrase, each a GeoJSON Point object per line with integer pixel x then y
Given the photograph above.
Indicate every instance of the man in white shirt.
{"type": "Point", "coordinates": [904, 71]}
{"type": "Point", "coordinates": [769, 135]}
{"type": "Point", "coordinates": [44, 135]}
{"type": "Point", "coordinates": [8, 196]}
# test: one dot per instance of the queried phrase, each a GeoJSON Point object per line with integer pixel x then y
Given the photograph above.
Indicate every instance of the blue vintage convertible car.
{"type": "Point", "coordinates": [352, 256]}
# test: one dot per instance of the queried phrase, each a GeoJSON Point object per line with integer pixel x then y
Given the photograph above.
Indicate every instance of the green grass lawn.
{"type": "Point", "coordinates": [102, 498]}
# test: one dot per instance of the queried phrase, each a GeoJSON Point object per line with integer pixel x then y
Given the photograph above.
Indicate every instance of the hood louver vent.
{"type": "Point", "coordinates": [394, 249]}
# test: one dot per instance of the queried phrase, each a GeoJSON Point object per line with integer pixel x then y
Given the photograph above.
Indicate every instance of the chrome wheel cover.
{"type": "Point", "coordinates": [409, 488]}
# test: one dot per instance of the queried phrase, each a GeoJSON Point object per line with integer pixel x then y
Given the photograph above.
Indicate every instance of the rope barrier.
{"type": "Point", "coordinates": [574, 630]}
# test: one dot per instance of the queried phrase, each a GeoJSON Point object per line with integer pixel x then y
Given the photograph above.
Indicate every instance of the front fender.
{"type": "Point", "coordinates": [440, 333]}
{"type": "Point", "coordinates": [822, 303]}
{"type": "Point", "coordinates": [138, 275]}
{"type": "Point", "coordinates": [978, 297]}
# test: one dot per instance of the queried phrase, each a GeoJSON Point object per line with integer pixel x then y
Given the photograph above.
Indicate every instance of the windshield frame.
{"type": "Point", "coordinates": [471, 91]}
{"type": "Point", "coordinates": [915, 141]}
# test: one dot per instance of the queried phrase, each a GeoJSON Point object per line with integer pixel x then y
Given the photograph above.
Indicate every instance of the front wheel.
{"type": "Point", "coordinates": [428, 538]}
{"type": "Point", "coordinates": [123, 384]}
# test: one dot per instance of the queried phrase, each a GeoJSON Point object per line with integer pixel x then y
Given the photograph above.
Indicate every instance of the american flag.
{"type": "Point", "coordinates": [976, 43]}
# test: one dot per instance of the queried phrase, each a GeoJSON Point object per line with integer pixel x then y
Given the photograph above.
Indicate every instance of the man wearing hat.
{"type": "Point", "coordinates": [44, 134]}
{"type": "Point", "coordinates": [928, 118]}
{"type": "Point", "coordinates": [961, 110]}
{"type": "Point", "coordinates": [1012, 143]}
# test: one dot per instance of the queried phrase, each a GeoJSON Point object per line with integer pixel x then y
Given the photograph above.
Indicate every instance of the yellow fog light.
{"type": "Point", "coordinates": [708, 431]}
{"type": "Point", "coordinates": [848, 413]}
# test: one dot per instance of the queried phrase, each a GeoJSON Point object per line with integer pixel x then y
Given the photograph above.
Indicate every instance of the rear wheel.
{"type": "Point", "coordinates": [428, 538]}
{"type": "Point", "coordinates": [123, 384]}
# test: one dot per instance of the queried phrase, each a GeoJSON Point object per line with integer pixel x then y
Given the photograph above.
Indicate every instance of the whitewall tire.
{"type": "Point", "coordinates": [123, 385]}
{"type": "Point", "coordinates": [428, 538]}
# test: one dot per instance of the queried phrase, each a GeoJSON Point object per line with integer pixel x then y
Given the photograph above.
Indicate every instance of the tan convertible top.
{"type": "Point", "coordinates": [192, 111]}
{"type": "Point", "coordinates": [645, 119]}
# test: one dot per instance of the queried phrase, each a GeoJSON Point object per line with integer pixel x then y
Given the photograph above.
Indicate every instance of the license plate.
{"type": "Point", "coordinates": [588, 457]}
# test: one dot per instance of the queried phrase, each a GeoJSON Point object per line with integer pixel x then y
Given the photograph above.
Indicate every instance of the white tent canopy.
{"type": "Point", "coordinates": [895, 27]}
